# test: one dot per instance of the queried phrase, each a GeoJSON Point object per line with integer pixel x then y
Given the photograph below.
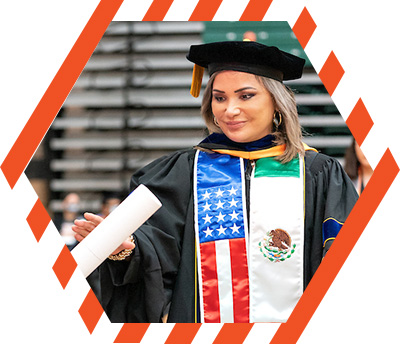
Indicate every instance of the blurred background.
{"type": "Point", "coordinates": [131, 105]}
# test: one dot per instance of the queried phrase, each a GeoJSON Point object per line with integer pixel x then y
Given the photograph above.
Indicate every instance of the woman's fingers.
{"type": "Point", "coordinates": [127, 244]}
{"type": "Point", "coordinates": [80, 232]}
{"type": "Point", "coordinates": [84, 227]}
{"type": "Point", "coordinates": [93, 218]}
{"type": "Point", "coordinates": [79, 237]}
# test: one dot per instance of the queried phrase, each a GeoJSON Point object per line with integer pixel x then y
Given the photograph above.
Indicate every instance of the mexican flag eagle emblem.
{"type": "Point", "coordinates": [277, 245]}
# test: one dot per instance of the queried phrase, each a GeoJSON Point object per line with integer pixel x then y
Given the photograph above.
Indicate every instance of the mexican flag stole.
{"type": "Point", "coordinates": [249, 269]}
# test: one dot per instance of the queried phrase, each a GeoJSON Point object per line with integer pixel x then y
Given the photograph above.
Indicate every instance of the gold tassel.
{"type": "Point", "coordinates": [197, 78]}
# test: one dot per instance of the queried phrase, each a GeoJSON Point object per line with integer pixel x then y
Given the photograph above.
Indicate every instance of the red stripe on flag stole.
{"type": "Point", "coordinates": [240, 280]}
{"type": "Point", "coordinates": [210, 282]}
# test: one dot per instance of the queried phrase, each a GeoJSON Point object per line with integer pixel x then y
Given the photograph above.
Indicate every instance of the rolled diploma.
{"type": "Point", "coordinates": [115, 229]}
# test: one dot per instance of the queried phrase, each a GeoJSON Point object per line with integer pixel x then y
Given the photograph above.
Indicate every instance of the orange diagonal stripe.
{"type": "Point", "coordinates": [45, 112]}
{"type": "Point", "coordinates": [331, 73]}
{"type": "Point", "coordinates": [131, 333]}
{"type": "Point", "coordinates": [351, 231]}
{"type": "Point", "coordinates": [256, 10]}
{"type": "Point", "coordinates": [64, 266]}
{"type": "Point", "coordinates": [157, 10]}
{"type": "Point", "coordinates": [304, 27]}
{"type": "Point", "coordinates": [205, 10]}
{"type": "Point", "coordinates": [38, 219]}
{"type": "Point", "coordinates": [91, 311]}
{"type": "Point", "coordinates": [183, 333]}
{"type": "Point", "coordinates": [233, 333]}
{"type": "Point", "coordinates": [359, 122]}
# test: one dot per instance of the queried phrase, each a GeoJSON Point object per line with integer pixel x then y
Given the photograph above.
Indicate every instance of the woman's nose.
{"type": "Point", "coordinates": [232, 109]}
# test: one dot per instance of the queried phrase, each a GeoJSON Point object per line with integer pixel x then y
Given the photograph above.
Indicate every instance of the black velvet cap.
{"type": "Point", "coordinates": [247, 56]}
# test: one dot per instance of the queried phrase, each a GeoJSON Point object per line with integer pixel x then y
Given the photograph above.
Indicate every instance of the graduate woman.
{"type": "Point", "coordinates": [247, 215]}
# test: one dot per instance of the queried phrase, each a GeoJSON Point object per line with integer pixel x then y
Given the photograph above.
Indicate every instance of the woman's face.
{"type": "Point", "coordinates": [242, 106]}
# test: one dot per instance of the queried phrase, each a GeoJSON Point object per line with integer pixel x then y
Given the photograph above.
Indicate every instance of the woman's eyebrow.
{"type": "Point", "coordinates": [245, 88]}
{"type": "Point", "coordinates": [239, 90]}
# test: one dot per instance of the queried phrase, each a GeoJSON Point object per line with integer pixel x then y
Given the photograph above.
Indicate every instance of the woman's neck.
{"type": "Point", "coordinates": [265, 142]}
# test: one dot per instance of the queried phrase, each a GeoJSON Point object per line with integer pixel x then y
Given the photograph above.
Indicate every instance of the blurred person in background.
{"type": "Point", "coordinates": [357, 166]}
{"type": "Point", "coordinates": [109, 202]}
{"type": "Point", "coordinates": [65, 220]}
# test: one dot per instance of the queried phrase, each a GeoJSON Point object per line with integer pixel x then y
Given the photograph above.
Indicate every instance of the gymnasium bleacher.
{"type": "Point", "coordinates": [131, 104]}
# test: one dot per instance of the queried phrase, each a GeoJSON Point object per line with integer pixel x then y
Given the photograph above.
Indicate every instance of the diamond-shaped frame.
{"type": "Point", "coordinates": [331, 74]}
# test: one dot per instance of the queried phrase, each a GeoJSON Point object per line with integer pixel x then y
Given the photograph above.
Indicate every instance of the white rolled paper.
{"type": "Point", "coordinates": [115, 228]}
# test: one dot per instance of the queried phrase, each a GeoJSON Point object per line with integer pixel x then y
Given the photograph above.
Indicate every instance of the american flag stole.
{"type": "Point", "coordinates": [228, 253]}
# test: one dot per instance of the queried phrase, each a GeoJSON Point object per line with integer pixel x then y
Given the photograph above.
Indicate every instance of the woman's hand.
{"type": "Point", "coordinates": [83, 227]}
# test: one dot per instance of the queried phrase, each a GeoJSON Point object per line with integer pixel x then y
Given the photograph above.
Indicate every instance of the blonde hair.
{"type": "Point", "coordinates": [289, 132]}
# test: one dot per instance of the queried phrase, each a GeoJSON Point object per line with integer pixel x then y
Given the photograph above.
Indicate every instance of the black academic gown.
{"type": "Point", "coordinates": [159, 278]}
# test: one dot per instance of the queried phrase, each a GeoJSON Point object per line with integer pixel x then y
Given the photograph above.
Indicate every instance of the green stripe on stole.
{"type": "Point", "coordinates": [270, 167]}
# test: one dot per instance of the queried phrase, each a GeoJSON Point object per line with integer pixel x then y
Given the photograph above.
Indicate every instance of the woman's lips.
{"type": "Point", "coordinates": [235, 124]}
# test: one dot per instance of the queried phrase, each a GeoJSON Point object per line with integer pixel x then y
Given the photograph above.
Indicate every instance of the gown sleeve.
{"type": "Point", "coordinates": [330, 197]}
{"type": "Point", "coordinates": [140, 288]}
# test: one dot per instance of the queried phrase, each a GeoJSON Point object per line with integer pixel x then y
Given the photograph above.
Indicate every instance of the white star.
{"type": "Point", "coordinates": [234, 215]}
{"type": "Point", "coordinates": [208, 232]}
{"type": "Point", "coordinates": [233, 203]}
{"type": "Point", "coordinates": [207, 219]}
{"type": "Point", "coordinates": [235, 229]}
{"type": "Point", "coordinates": [232, 191]}
{"type": "Point", "coordinates": [221, 230]}
{"type": "Point", "coordinates": [220, 217]}
{"type": "Point", "coordinates": [219, 193]}
{"type": "Point", "coordinates": [206, 195]}
{"type": "Point", "coordinates": [206, 207]}
{"type": "Point", "coordinates": [219, 204]}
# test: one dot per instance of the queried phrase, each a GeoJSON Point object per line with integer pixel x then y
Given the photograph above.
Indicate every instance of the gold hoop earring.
{"type": "Point", "coordinates": [277, 121]}
{"type": "Point", "coordinates": [216, 122]}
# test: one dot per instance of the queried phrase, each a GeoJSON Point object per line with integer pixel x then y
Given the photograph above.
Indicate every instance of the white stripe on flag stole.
{"type": "Point", "coordinates": [221, 232]}
{"type": "Point", "coordinates": [223, 264]}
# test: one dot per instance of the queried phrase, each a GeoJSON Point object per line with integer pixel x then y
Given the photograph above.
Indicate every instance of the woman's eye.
{"type": "Point", "coordinates": [218, 98]}
{"type": "Point", "coordinates": [247, 96]}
